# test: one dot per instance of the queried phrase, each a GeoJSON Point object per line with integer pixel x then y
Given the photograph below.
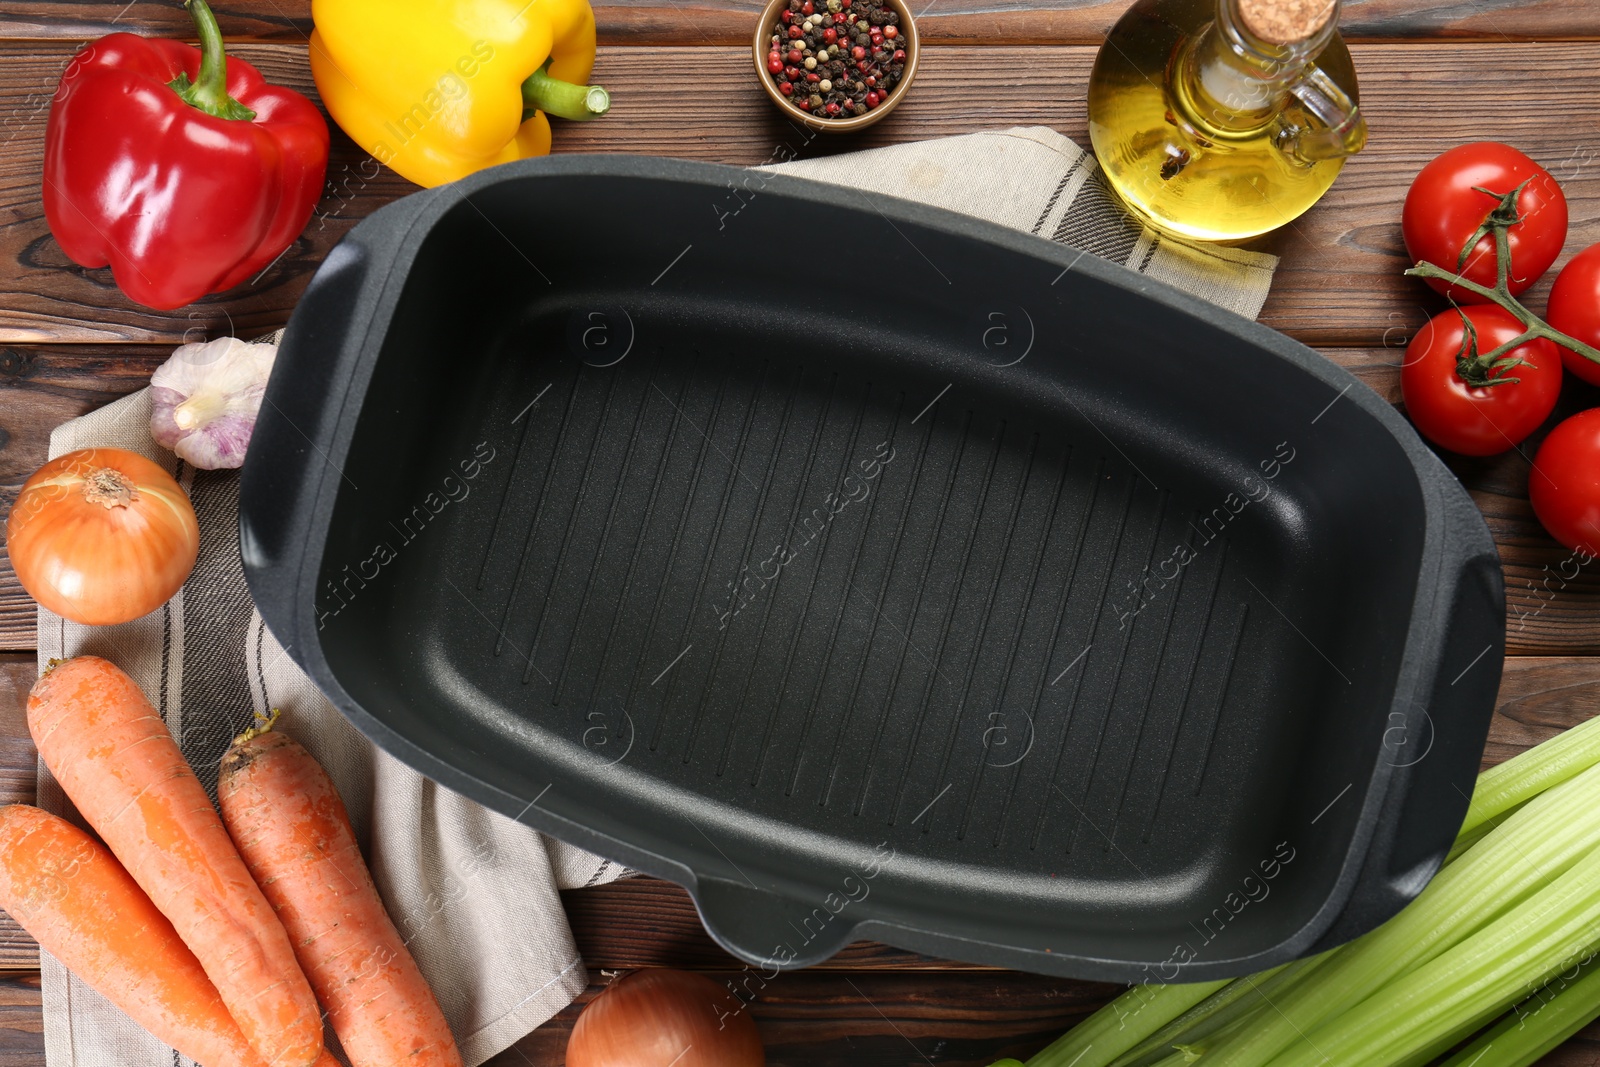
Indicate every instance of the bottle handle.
{"type": "Point", "coordinates": [1344, 132]}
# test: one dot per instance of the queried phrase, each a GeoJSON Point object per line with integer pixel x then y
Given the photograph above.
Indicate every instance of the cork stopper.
{"type": "Point", "coordinates": [1286, 21]}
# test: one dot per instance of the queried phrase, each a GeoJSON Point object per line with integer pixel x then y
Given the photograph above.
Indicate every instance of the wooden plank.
{"type": "Point", "coordinates": [647, 922]}
{"type": "Point", "coordinates": [1056, 22]}
{"type": "Point", "coordinates": [1339, 283]}
{"type": "Point", "coordinates": [815, 1019]}
{"type": "Point", "coordinates": [810, 1019]}
{"type": "Point", "coordinates": [18, 760]}
{"type": "Point", "coordinates": [973, 21]}
{"type": "Point", "coordinates": [1539, 698]}
{"type": "Point", "coordinates": [887, 1019]}
{"type": "Point", "coordinates": [21, 1021]}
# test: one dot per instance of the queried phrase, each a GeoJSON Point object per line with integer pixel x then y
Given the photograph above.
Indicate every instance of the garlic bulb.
{"type": "Point", "coordinates": [206, 398]}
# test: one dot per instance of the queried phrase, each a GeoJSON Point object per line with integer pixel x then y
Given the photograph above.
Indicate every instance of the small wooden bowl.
{"type": "Point", "coordinates": [762, 43]}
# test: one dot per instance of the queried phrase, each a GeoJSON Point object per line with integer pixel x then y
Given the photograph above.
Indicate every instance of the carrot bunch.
{"type": "Point", "coordinates": [71, 894]}
{"type": "Point", "coordinates": [170, 922]}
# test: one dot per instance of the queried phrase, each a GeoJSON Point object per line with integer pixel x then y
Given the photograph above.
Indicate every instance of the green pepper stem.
{"type": "Point", "coordinates": [564, 100]}
{"type": "Point", "coordinates": [209, 92]}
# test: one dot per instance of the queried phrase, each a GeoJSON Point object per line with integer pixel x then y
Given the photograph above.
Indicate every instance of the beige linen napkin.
{"type": "Point", "coordinates": [473, 891]}
{"type": "Point", "coordinates": [1033, 179]}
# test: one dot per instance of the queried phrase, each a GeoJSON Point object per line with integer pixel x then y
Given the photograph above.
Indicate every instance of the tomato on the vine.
{"type": "Point", "coordinates": [1461, 402]}
{"type": "Point", "coordinates": [1446, 207]}
{"type": "Point", "coordinates": [1565, 484]}
{"type": "Point", "coordinates": [1575, 310]}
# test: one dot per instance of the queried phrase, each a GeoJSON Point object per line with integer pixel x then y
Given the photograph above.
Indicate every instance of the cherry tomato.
{"type": "Point", "coordinates": [1565, 483]}
{"type": "Point", "coordinates": [1444, 209]}
{"type": "Point", "coordinates": [1478, 420]}
{"type": "Point", "coordinates": [1575, 310]}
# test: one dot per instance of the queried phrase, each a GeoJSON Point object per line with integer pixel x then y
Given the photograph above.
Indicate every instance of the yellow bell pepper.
{"type": "Point", "coordinates": [438, 89]}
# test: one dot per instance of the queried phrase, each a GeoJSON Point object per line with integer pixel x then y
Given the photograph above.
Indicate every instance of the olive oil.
{"type": "Point", "coordinates": [1208, 128]}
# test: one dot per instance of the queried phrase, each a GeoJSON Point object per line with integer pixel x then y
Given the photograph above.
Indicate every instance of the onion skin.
{"type": "Point", "coordinates": [102, 536]}
{"type": "Point", "coordinates": [661, 1017]}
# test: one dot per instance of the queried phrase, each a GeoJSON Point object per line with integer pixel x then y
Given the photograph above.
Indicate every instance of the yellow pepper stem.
{"type": "Point", "coordinates": [564, 100]}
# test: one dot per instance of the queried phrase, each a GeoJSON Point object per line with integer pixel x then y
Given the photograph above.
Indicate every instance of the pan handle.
{"type": "Point", "coordinates": [1435, 748]}
{"type": "Point", "coordinates": [293, 449]}
{"type": "Point", "coordinates": [768, 930]}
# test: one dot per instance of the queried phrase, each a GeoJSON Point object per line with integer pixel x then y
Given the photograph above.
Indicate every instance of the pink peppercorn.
{"type": "Point", "coordinates": [870, 58]}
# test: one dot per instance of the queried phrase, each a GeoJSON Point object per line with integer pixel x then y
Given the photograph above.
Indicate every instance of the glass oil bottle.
{"type": "Point", "coordinates": [1218, 120]}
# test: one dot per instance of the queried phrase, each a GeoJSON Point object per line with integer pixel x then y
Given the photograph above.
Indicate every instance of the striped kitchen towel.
{"type": "Point", "coordinates": [473, 892]}
{"type": "Point", "coordinates": [1033, 179]}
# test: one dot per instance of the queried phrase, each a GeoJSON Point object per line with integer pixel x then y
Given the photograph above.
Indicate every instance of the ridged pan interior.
{"type": "Point", "coordinates": [1088, 611]}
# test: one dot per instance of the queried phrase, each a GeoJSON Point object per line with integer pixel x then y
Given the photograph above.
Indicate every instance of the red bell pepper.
{"type": "Point", "coordinates": [178, 166]}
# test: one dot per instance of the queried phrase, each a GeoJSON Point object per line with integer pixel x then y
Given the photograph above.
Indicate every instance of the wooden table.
{"type": "Point", "coordinates": [1434, 73]}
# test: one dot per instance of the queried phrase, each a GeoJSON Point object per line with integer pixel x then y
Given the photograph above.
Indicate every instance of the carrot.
{"type": "Point", "coordinates": [72, 895]}
{"type": "Point", "coordinates": [294, 834]}
{"type": "Point", "coordinates": [114, 757]}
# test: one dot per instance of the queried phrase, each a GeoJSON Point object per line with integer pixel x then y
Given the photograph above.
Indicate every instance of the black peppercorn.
{"type": "Point", "coordinates": [861, 71]}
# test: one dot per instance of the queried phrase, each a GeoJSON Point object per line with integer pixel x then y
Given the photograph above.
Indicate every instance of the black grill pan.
{"type": "Point", "coordinates": [874, 572]}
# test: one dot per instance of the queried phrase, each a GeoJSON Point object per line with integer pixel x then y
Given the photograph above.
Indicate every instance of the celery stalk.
{"type": "Point", "coordinates": [1537, 1025]}
{"type": "Point", "coordinates": [1501, 963]}
{"type": "Point", "coordinates": [1540, 841]}
{"type": "Point", "coordinates": [1529, 821]}
{"type": "Point", "coordinates": [1444, 1044]}
{"type": "Point", "coordinates": [1192, 1049]}
{"type": "Point", "coordinates": [1238, 1001]}
{"type": "Point", "coordinates": [1467, 838]}
{"type": "Point", "coordinates": [1530, 773]}
{"type": "Point", "coordinates": [1122, 1024]}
